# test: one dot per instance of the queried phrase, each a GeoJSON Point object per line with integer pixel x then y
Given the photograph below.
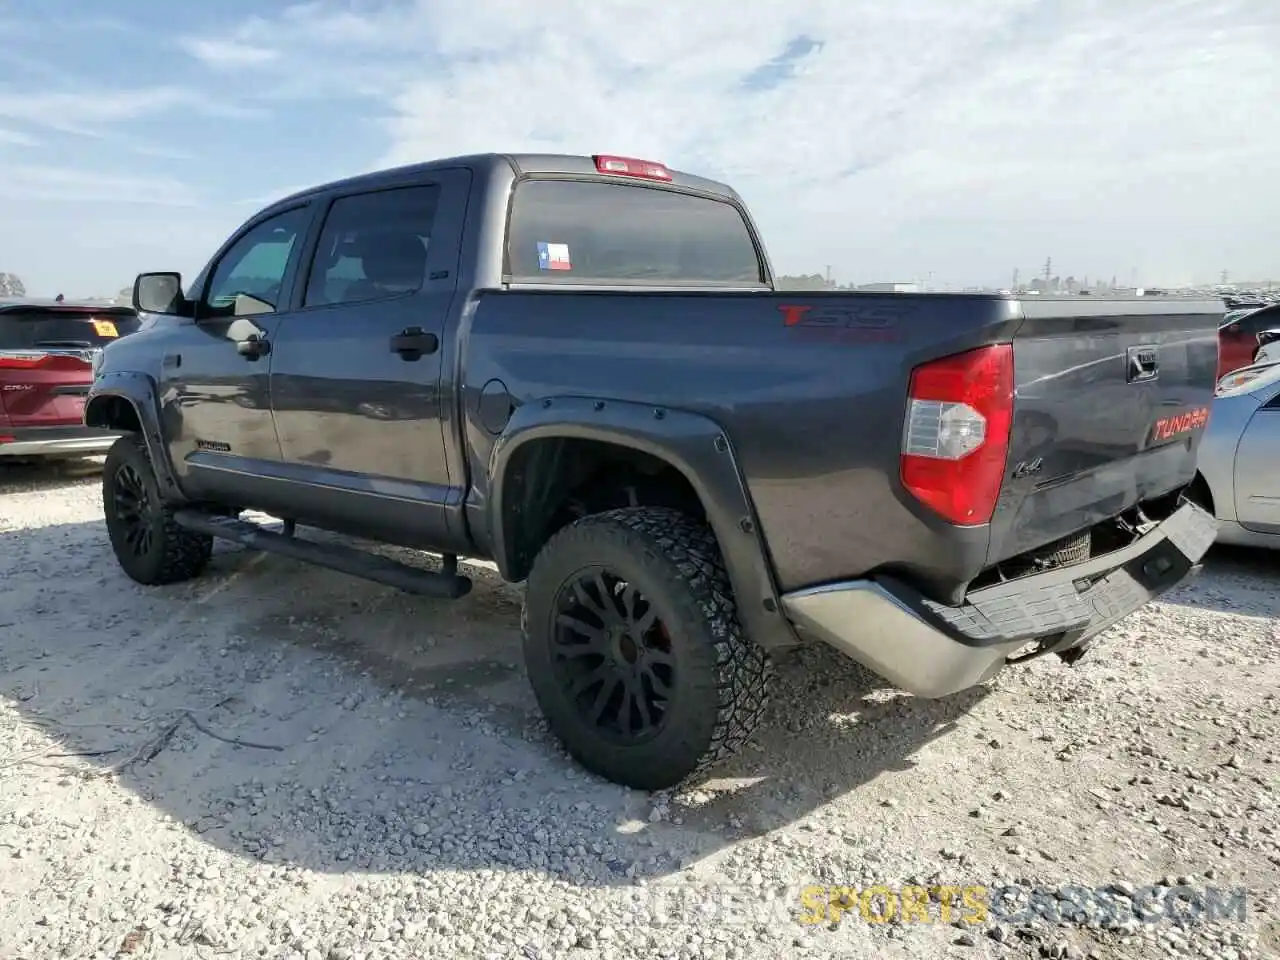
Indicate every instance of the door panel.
{"type": "Point", "coordinates": [356, 372]}
{"type": "Point", "coordinates": [214, 380]}
{"type": "Point", "coordinates": [1258, 472]}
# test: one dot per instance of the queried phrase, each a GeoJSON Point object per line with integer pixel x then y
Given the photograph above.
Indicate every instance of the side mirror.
{"type": "Point", "coordinates": [159, 293]}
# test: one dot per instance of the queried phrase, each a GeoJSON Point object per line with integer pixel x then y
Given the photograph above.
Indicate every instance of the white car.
{"type": "Point", "coordinates": [1239, 457]}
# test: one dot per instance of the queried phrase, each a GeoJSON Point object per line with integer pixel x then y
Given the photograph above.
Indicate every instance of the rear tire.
{"type": "Point", "coordinates": [150, 547]}
{"type": "Point", "coordinates": [634, 650]}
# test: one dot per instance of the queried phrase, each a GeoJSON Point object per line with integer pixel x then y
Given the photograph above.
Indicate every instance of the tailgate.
{"type": "Point", "coordinates": [1111, 402]}
{"type": "Point", "coordinates": [44, 388]}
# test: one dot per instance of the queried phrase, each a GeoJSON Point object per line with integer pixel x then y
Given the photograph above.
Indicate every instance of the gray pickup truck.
{"type": "Point", "coordinates": [580, 369]}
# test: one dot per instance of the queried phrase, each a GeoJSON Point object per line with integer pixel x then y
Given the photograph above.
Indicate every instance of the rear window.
{"type": "Point", "coordinates": [566, 231]}
{"type": "Point", "coordinates": [1258, 320]}
{"type": "Point", "coordinates": [28, 328]}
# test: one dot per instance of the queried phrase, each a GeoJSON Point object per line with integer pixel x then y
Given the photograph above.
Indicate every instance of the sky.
{"type": "Point", "coordinates": [887, 139]}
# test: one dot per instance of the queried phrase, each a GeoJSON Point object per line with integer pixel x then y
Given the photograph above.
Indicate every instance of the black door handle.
{"type": "Point", "coordinates": [253, 348]}
{"type": "Point", "coordinates": [413, 343]}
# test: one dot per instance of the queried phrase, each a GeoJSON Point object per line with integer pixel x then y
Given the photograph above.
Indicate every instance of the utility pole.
{"type": "Point", "coordinates": [1048, 270]}
{"type": "Point", "coordinates": [1014, 286]}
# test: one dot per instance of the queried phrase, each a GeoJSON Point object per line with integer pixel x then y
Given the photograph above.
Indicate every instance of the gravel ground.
{"type": "Point", "coordinates": [278, 761]}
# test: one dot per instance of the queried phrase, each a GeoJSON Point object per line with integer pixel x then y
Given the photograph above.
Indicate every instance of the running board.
{"type": "Point", "coordinates": [445, 584]}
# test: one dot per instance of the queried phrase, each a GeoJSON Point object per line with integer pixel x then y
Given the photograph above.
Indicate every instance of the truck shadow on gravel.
{"type": "Point", "coordinates": [294, 716]}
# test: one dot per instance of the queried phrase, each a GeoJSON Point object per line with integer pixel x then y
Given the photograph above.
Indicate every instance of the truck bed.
{"type": "Point", "coordinates": [812, 391]}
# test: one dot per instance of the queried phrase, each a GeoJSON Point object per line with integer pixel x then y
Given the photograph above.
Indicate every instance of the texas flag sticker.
{"type": "Point", "coordinates": [553, 256]}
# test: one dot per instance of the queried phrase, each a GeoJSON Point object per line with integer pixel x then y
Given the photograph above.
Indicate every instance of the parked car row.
{"type": "Point", "coordinates": [1243, 334]}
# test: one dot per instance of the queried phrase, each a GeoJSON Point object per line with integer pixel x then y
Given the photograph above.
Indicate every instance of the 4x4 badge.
{"type": "Point", "coordinates": [1028, 467]}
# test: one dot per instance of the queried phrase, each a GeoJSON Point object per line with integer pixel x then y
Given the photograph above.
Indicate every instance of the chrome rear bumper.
{"type": "Point", "coordinates": [54, 442]}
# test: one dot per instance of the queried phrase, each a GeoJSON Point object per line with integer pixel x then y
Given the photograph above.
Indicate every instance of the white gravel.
{"type": "Point", "coordinates": [399, 796]}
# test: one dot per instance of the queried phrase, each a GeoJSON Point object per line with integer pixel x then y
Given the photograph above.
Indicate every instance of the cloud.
{"type": "Point", "coordinates": [95, 112]}
{"type": "Point", "coordinates": [28, 182]}
{"type": "Point", "coordinates": [886, 138]}
{"type": "Point", "coordinates": [17, 138]}
{"type": "Point", "coordinates": [228, 53]}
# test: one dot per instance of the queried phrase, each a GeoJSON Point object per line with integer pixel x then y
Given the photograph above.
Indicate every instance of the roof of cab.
{"type": "Point", "coordinates": [521, 163]}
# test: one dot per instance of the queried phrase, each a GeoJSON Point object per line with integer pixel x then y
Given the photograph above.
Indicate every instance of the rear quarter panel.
{"type": "Point", "coordinates": [811, 399]}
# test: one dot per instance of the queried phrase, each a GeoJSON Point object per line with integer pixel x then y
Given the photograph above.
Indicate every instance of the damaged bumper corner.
{"type": "Point", "coordinates": [934, 650]}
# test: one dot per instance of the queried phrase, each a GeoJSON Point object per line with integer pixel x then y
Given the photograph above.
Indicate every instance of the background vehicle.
{"type": "Point", "coordinates": [47, 350]}
{"type": "Point", "coordinates": [1239, 478]}
{"type": "Point", "coordinates": [1268, 345]}
{"type": "Point", "coordinates": [579, 368]}
{"type": "Point", "coordinates": [1238, 336]}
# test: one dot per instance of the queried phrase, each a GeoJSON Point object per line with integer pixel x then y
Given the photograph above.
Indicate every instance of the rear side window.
{"type": "Point", "coordinates": [36, 328]}
{"type": "Point", "coordinates": [373, 245]}
{"type": "Point", "coordinates": [571, 231]}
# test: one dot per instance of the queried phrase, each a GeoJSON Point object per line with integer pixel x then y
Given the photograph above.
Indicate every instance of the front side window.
{"type": "Point", "coordinates": [575, 231]}
{"type": "Point", "coordinates": [373, 246]}
{"type": "Point", "coordinates": [250, 276]}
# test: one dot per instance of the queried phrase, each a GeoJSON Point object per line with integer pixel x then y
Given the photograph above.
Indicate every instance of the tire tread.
{"type": "Point", "coordinates": [743, 670]}
{"type": "Point", "coordinates": [184, 554]}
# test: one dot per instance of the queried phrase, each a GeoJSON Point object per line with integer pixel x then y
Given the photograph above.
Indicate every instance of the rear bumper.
{"type": "Point", "coordinates": [933, 650]}
{"type": "Point", "coordinates": [54, 441]}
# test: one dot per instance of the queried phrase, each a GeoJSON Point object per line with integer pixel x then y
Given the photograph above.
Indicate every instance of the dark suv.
{"type": "Point", "coordinates": [47, 352]}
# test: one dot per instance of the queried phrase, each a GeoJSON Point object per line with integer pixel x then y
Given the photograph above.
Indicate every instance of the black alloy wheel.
{"type": "Point", "coordinates": [634, 650]}
{"type": "Point", "coordinates": [134, 510]}
{"type": "Point", "coordinates": [148, 543]}
{"type": "Point", "coordinates": [613, 656]}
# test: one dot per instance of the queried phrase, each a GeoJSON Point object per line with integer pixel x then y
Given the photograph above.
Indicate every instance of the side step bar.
{"type": "Point", "coordinates": [446, 584]}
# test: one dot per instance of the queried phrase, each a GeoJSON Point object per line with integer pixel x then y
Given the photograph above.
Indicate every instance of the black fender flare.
{"type": "Point", "coordinates": [140, 392]}
{"type": "Point", "coordinates": [691, 443]}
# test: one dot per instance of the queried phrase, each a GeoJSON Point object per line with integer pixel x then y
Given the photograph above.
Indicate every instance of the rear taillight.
{"type": "Point", "coordinates": [40, 360]}
{"type": "Point", "coordinates": [956, 441]}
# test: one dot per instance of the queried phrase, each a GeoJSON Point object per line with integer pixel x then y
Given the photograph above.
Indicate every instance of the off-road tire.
{"type": "Point", "coordinates": [174, 554]}
{"type": "Point", "coordinates": [722, 678]}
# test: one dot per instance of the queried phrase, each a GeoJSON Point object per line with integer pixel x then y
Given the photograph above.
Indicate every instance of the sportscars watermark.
{"type": "Point", "coordinates": [975, 904]}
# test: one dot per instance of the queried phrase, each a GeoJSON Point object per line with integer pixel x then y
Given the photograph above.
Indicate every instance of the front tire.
{"type": "Point", "coordinates": [634, 650]}
{"type": "Point", "coordinates": [150, 547]}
